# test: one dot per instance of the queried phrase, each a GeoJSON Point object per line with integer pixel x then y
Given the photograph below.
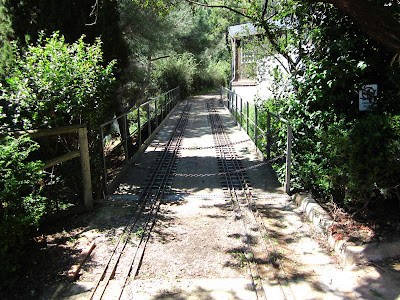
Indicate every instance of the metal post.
{"type": "Point", "coordinates": [165, 105]}
{"type": "Point", "coordinates": [247, 118]}
{"type": "Point", "coordinates": [104, 162]}
{"type": "Point", "coordinates": [231, 102]}
{"type": "Point", "coordinates": [288, 158]}
{"type": "Point", "coordinates": [236, 109]}
{"type": "Point", "coordinates": [148, 120]}
{"type": "Point", "coordinates": [168, 102]}
{"type": "Point", "coordinates": [125, 139]}
{"type": "Point", "coordinates": [139, 127]}
{"type": "Point", "coordinates": [155, 111]}
{"type": "Point", "coordinates": [161, 107]}
{"type": "Point", "coordinates": [85, 166]}
{"type": "Point", "coordinates": [241, 112]}
{"type": "Point", "coordinates": [269, 135]}
{"type": "Point", "coordinates": [256, 124]}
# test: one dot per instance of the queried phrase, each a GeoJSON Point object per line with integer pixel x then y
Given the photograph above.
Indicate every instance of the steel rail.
{"type": "Point", "coordinates": [233, 167]}
{"type": "Point", "coordinates": [174, 146]}
{"type": "Point", "coordinates": [225, 159]}
{"type": "Point", "coordinates": [164, 166]}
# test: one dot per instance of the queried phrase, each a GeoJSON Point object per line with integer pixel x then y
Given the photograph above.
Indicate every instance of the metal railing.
{"type": "Point", "coordinates": [123, 135]}
{"type": "Point", "coordinates": [269, 140]}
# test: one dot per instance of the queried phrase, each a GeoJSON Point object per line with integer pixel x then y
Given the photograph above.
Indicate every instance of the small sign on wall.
{"type": "Point", "coordinates": [367, 96]}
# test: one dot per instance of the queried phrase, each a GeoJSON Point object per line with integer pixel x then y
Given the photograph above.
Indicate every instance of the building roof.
{"type": "Point", "coordinates": [242, 30]}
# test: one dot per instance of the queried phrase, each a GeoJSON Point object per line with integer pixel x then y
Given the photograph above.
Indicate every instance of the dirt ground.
{"type": "Point", "coordinates": [195, 248]}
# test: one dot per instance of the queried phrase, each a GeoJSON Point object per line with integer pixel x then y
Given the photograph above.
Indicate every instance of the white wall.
{"type": "Point", "coordinates": [247, 93]}
{"type": "Point", "coordinates": [265, 80]}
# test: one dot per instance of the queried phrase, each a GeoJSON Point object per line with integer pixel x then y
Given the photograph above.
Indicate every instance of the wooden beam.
{"type": "Point", "coordinates": [73, 272]}
{"type": "Point", "coordinates": [58, 160]}
{"type": "Point", "coordinates": [85, 167]}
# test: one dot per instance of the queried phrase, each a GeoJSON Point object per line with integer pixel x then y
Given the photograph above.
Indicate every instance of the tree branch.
{"type": "Point", "coordinates": [95, 12]}
{"type": "Point", "coordinates": [161, 57]}
{"type": "Point", "coordinates": [264, 10]}
{"type": "Point", "coordinates": [219, 6]}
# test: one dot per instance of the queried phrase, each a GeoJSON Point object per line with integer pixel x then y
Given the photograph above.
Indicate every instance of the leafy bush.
{"type": "Point", "coordinates": [351, 161]}
{"type": "Point", "coordinates": [178, 70]}
{"type": "Point", "coordinates": [57, 84]}
{"type": "Point", "coordinates": [183, 70]}
{"type": "Point", "coordinates": [21, 205]}
{"type": "Point", "coordinates": [212, 76]}
{"type": "Point", "coordinates": [339, 153]}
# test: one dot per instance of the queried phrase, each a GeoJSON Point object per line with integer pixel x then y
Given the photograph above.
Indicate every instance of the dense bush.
{"type": "Point", "coordinates": [183, 70]}
{"type": "Point", "coordinates": [339, 153]}
{"type": "Point", "coordinates": [177, 70]}
{"type": "Point", "coordinates": [212, 76]}
{"type": "Point", "coordinates": [350, 162]}
{"type": "Point", "coordinates": [57, 84]}
{"type": "Point", "coordinates": [52, 84]}
{"type": "Point", "coordinates": [21, 205]}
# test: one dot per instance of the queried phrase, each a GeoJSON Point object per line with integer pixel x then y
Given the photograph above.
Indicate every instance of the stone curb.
{"type": "Point", "coordinates": [349, 253]}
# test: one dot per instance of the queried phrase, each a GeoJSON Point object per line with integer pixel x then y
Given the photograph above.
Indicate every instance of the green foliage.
{"type": "Point", "coordinates": [6, 32]}
{"type": "Point", "coordinates": [21, 205]}
{"type": "Point", "coordinates": [58, 84]}
{"type": "Point", "coordinates": [52, 84]}
{"type": "Point", "coordinates": [339, 152]}
{"type": "Point", "coordinates": [55, 84]}
{"type": "Point", "coordinates": [213, 76]}
{"type": "Point", "coordinates": [178, 70]}
{"type": "Point", "coordinates": [71, 18]}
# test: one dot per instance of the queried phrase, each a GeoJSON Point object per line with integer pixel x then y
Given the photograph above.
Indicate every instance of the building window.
{"type": "Point", "coordinates": [248, 52]}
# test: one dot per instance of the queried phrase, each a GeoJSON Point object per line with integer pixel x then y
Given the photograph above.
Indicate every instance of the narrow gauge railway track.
{"type": "Point", "coordinates": [144, 215]}
{"type": "Point", "coordinates": [238, 189]}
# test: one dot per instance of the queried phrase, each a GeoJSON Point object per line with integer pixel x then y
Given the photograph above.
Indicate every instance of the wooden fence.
{"type": "Point", "coordinates": [83, 153]}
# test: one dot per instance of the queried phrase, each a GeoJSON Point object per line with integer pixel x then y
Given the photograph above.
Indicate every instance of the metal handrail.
{"type": "Point", "coordinates": [136, 107]}
{"type": "Point", "coordinates": [162, 105]}
{"type": "Point", "coordinates": [238, 114]}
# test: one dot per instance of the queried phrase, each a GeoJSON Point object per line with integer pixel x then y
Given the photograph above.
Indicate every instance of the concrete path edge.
{"type": "Point", "coordinates": [349, 253]}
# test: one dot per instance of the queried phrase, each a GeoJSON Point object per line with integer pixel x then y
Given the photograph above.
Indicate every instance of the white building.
{"type": "Point", "coordinates": [260, 83]}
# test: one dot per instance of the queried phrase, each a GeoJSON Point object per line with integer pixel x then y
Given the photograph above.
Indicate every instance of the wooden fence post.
{"type": "Point", "coordinates": [288, 158]}
{"type": "Point", "coordinates": [104, 162]}
{"type": "Point", "coordinates": [85, 166]}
